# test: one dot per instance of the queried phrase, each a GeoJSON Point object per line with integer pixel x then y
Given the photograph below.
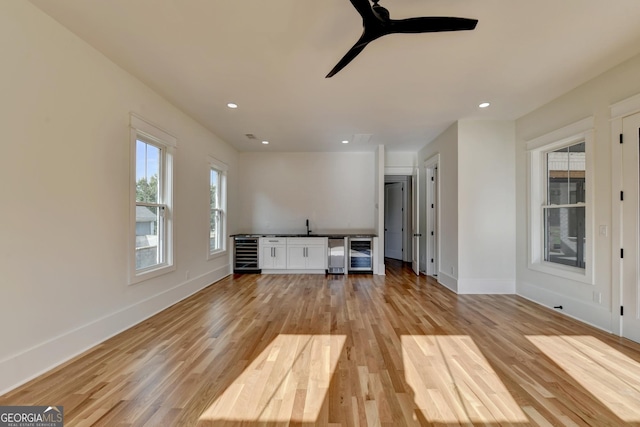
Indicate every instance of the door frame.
{"type": "Point", "coordinates": [432, 190]}
{"type": "Point", "coordinates": [403, 214]}
{"type": "Point", "coordinates": [619, 111]}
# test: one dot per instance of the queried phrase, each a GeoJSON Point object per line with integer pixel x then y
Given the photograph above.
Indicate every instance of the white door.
{"type": "Point", "coordinates": [393, 218]}
{"type": "Point", "coordinates": [415, 221]}
{"type": "Point", "coordinates": [432, 219]}
{"type": "Point", "coordinates": [630, 230]}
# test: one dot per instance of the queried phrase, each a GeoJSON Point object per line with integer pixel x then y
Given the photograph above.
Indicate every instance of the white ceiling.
{"type": "Point", "coordinates": [270, 57]}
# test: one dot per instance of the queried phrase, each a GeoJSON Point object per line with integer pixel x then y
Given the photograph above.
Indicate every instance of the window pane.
{"type": "Point", "coordinates": [215, 221]}
{"type": "Point", "coordinates": [147, 172]}
{"type": "Point", "coordinates": [566, 175]}
{"type": "Point", "coordinates": [148, 235]}
{"type": "Point", "coordinates": [214, 231]}
{"type": "Point", "coordinates": [565, 236]}
{"type": "Point", "coordinates": [215, 189]}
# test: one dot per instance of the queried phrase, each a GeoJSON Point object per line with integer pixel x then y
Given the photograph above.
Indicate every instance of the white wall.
{"type": "Point", "coordinates": [446, 144]}
{"type": "Point", "coordinates": [399, 162]}
{"type": "Point", "coordinates": [335, 191]}
{"type": "Point", "coordinates": [590, 99]}
{"type": "Point", "coordinates": [486, 207]}
{"type": "Point", "coordinates": [64, 186]}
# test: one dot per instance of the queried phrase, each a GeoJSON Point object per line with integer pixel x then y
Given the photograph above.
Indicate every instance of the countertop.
{"type": "Point", "coordinates": [329, 235]}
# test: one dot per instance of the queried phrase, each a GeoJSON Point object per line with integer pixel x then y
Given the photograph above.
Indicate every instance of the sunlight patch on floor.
{"type": "Point", "coordinates": [453, 382]}
{"type": "Point", "coordinates": [288, 381]}
{"type": "Point", "coordinates": [610, 376]}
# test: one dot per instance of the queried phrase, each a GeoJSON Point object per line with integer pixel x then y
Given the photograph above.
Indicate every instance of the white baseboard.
{"type": "Point", "coordinates": [486, 286]}
{"type": "Point", "coordinates": [592, 314]}
{"type": "Point", "coordinates": [28, 364]}
{"type": "Point", "coordinates": [287, 271]}
{"type": "Point", "coordinates": [447, 281]}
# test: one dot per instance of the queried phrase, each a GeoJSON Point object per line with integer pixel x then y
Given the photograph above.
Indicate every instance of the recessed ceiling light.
{"type": "Point", "coordinates": [345, 142]}
{"type": "Point", "coordinates": [232, 105]}
{"type": "Point", "coordinates": [265, 142]}
{"type": "Point", "coordinates": [484, 105]}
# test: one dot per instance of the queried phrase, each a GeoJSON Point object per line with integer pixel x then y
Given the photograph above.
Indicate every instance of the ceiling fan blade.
{"type": "Point", "coordinates": [364, 9]}
{"type": "Point", "coordinates": [352, 53]}
{"type": "Point", "coordinates": [430, 24]}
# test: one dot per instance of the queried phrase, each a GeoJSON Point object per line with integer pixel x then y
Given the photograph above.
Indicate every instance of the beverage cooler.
{"type": "Point", "coordinates": [361, 255]}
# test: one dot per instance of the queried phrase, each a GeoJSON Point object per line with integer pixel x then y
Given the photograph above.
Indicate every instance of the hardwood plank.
{"type": "Point", "coordinates": [357, 350]}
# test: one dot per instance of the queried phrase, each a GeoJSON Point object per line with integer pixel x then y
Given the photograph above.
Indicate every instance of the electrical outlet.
{"type": "Point", "coordinates": [187, 274]}
{"type": "Point", "coordinates": [452, 270]}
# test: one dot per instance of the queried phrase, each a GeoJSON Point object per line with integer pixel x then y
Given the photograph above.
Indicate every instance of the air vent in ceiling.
{"type": "Point", "coordinates": [250, 135]}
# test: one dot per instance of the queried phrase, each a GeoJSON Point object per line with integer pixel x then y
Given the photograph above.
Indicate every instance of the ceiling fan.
{"type": "Point", "coordinates": [376, 23]}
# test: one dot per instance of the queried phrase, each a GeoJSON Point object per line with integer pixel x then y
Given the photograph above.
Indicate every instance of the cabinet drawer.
{"type": "Point", "coordinates": [306, 241]}
{"type": "Point", "coordinates": [272, 241]}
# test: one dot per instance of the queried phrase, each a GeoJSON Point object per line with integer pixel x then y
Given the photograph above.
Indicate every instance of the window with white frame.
{"type": "Point", "coordinates": [560, 227]}
{"type": "Point", "coordinates": [564, 206]}
{"type": "Point", "coordinates": [217, 207]}
{"type": "Point", "coordinates": [151, 172]}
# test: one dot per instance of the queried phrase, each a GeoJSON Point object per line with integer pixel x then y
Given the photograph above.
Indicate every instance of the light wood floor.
{"type": "Point", "coordinates": [360, 350]}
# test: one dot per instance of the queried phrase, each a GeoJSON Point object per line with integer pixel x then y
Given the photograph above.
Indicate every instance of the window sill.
{"type": "Point", "coordinates": [218, 254]}
{"type": "Point", "coordinates": [150, 274]}
{"type": "Point", "coordinates": [564, 271]}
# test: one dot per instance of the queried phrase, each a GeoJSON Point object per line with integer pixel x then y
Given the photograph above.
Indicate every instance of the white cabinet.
{"type": "Point", "coordinates": [307, 253]}
{"type": "Point", "coordinates": [273, 253]}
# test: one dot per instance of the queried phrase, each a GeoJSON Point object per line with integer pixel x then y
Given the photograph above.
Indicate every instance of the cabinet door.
{"type": "Point", "coordinates": [296, 259]}
{"type": "Point", "coordinates": [316, 257]}
{"type": "Point", "coordinates": [266, 258]}
{"type": "Point", "coordinates": [279, 257]}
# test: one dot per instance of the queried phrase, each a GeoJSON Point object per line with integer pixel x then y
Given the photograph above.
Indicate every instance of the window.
{"type": "Point", "coordinates": [151, 235]}
{"type": "Point", "coordinates": [217, 207]}
{"type": "Point", "coordinates": [564, 226]}
{"type": "Point", "coordinates": [560, 225]}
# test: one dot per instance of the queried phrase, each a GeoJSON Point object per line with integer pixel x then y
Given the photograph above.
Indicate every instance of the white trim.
{"type": "Point", "coordinates": [537, 148]}
{"type": "Point", "coordinates": [286, 271]}
{"type": "Point", "coordinates": [22, 367]}
{"type": "Point", "coordinates": [619, 110]}
{"type": "Point", "coordinates": [433, 163]}
{"type": "Point", "coordinates": [152, 130]}
{"type": "Point", "coordinates": [448, 281]}
{"type": "Point", "coordinates": [217, 164]}
{"type": "Point", "coordinates": [616, 224]}
{"type": "Point", "coordinates": [586, 312]}
{"type": "Point", "coordinates": [626, 107]}
{"type": "Point", "coordinates": [145, 130]}
{"type": "Point", "coordinates": [562, 136]}
{"type": "Point", "coordinates": [398, 170]}
{"type": "Point", "coordinates": [222, 168]}
{"type": "Point", "coordinates": [486, 287]}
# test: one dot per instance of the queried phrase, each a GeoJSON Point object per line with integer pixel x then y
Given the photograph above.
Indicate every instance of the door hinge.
{"type": "Point", "coordinates": [431, 259]}
{"type": "Point", "coordinates": [432, 233]}
{"type": "Point", "coordinates": [431, 205]}
{"type": "Point", "coordinates": [621, 310]}
{"type": "Point", "coordinates": [621, 253]}
{"type": "Point", "coordinates": [621, 139]}
{"type": "Point", "coordinates": [621, 195]}
{"type": "Point", "coordinates": [432, 179]}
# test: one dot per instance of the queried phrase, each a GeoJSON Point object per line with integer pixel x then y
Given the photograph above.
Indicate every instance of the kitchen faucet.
{"type": "Point", "coordinates": [308, 231]}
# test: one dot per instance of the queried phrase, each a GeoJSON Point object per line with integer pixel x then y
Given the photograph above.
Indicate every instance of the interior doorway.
{"type": "Point", "coordinates": [397, 217]}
